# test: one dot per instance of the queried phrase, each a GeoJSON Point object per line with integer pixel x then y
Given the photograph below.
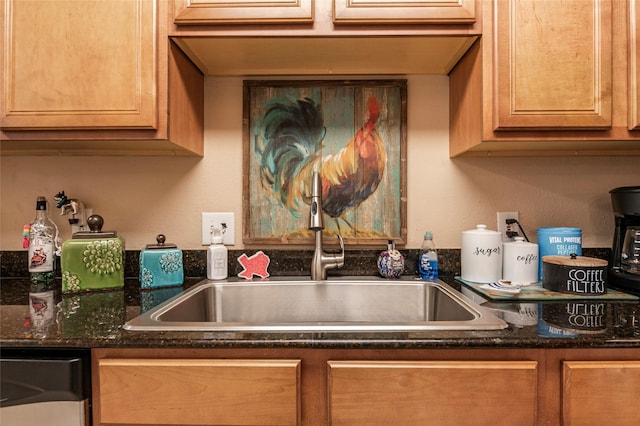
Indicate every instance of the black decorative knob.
{"type": "Point", "coordinates": [95, 223]}
{"type": "Point", "coordinates": [160, 238]}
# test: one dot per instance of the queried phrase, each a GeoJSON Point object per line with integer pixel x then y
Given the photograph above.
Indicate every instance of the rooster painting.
{"type": "Point", "coordinates": [290, 142]}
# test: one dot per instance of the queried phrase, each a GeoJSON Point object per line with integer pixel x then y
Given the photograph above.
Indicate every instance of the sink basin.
{"type": "Point", "coordinates": [302, 305]}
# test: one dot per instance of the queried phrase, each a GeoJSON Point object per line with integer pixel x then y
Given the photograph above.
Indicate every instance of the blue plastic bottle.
{"type": "Point", "coordinates": [428, 259]}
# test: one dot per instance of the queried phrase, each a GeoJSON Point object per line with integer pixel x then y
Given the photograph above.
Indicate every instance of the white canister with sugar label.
{"type": "Point", "coordinates": [520, 261]}
{"type": "Point", "coordinates": [481, 255]}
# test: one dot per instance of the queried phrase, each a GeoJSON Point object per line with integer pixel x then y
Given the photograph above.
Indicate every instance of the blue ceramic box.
{"type": "Point", "coordinates": [161, 265]}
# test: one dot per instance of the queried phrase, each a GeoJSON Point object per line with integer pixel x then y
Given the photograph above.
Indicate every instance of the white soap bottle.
{"type": "Point", "coordinates": [216, 257]}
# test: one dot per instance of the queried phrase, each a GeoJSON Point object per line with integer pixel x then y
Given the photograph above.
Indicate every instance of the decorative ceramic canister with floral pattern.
{"type": "Point", "coordinates": [92, 260]}
{"type": "Point", "coordinates": [391, 262]}
{"type": "Point", "coordinates": [161, 264]}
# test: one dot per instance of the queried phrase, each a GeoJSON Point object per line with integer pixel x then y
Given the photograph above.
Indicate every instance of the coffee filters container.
{"type": "Point", "coordinates": [586, 276]}
{"type": "Point", "coordinates": [520, 261]}
{"type": "Point", "coordinates": [481, 255]}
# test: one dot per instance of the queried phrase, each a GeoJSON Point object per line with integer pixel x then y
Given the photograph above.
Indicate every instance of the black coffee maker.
{"type": "Point", "coordinates": [626, 207]}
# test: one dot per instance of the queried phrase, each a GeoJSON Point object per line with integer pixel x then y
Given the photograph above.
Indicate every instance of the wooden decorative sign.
{"type": "Point", "coordinates": [352, 132]}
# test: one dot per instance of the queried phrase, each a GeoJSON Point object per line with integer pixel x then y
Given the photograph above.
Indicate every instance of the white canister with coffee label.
{"type": "Point", "coordinates": [481, 255]}
{"type": "Point", "coordinates": [520, 261]}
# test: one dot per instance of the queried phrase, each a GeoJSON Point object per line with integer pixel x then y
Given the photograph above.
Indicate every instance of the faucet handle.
{"type": "Point", "coordinates": [316, 222]}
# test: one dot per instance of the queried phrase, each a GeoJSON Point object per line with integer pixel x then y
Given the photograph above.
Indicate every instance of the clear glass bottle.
{"type": "Point", "coordinates": [43, 298]}
{"type": "Point", "coordinates": [43, 235]}
{"type": "Point", "coordinates": [428, 259]}
{"type": "Point", "coordinates": [217, 268]}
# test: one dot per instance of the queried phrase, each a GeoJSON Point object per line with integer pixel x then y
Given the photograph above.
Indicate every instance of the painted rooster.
{"type": "Point", "coordinates": [289, 141]}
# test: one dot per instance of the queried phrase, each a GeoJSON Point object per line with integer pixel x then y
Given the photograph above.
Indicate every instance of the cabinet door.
{"type": "Point", "coordinates": [203, 12]}
{"type": "Point", "coordinates": [425, 11]}
{"type": "Point", "coordinates": [600, 392]}
{"type": "Point", "coordinates": [553, 64]}
{"type": "Point", "coordinates": [198, 392]}
{"type": "Point", "coordinates": [634, 64]}
{"type": "Point", "coordinates": [432, 392]}
{"type": "Point", "coordinates": [70, 64]}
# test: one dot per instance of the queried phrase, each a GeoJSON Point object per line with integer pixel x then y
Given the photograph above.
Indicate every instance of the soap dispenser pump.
{"type": "Point", "coordinates": [217, 268]}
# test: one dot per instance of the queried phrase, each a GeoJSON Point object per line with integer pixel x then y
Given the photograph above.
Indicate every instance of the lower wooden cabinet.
{"type": "Point", "coordinates": [433, 392]}
{"type": "Point", "coordinates": [332, 386]}
{"type": "Point", "coordinates": [198, 391]}
{"type": "Point", "coordinates": [601, 392]}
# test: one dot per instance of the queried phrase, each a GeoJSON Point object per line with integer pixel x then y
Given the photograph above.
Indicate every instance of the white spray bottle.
{"type": "Point", "coordinates": [216, 257]}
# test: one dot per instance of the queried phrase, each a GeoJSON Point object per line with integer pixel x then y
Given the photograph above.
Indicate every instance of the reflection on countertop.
{"type": "Point", "coordinates": [95, 319]}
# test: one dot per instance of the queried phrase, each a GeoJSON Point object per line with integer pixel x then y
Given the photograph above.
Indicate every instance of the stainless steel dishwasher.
{"type": "Point", "coordinates": [42, 386]}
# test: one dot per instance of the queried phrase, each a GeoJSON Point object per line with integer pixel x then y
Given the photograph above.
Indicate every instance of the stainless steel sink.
{"type": "Point", "coordinates": [336, 305]}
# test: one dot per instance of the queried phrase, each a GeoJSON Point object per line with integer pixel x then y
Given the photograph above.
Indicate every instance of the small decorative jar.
{"type": "Point", "coordinates": [391, 262]}
{"type": "Point", "coordinates": [161, 264]}
{"type": "Point", "coordinates": [92, 260]}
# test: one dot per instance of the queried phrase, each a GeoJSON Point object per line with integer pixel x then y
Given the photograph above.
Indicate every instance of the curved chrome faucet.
{"type": "Point", "coordinates": [321, 261]}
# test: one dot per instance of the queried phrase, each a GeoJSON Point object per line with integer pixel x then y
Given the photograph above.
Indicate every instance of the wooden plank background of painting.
{"type": "Point", "coordinates": [381, 216]}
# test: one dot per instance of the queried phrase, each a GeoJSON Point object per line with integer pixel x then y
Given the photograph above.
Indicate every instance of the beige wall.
{"type": "Point", "coordinates": [141, 197]}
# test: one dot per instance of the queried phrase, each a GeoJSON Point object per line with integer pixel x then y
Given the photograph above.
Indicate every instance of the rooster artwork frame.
{"type": "Point", "coordinates": [353, 132]}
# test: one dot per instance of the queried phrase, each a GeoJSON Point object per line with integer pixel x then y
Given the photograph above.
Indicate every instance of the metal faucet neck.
{"type": "Point", "coordinates": [321, 261]}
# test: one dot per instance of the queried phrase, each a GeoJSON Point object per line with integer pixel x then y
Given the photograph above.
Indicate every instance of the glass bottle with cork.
{"type": "Point", "coordinates": [43, 243]}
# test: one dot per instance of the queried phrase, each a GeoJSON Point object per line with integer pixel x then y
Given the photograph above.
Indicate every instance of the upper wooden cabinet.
{"type": "Point", "coordinates": [548, 78]}
{"type": "Point", "coordinates": [634, 65]}
{"type": "Point", "coordinates": [426, 11]}
{"type": "Point", "coordinates": [203, 12]}
{"type": "Point", "coordinates": [229, 38]}
{"type": "Point", "coordinates": [69, 67]}
{"type": "Point", "coordinates": [196, 12]}
{"type": "Point", "coordinates": [94, 78]}
{"type": "Point", "coordinates": [553, 64]}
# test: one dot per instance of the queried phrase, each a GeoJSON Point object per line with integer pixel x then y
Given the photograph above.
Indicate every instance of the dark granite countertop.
{"type": "Point", "coordinates": [94, 320]}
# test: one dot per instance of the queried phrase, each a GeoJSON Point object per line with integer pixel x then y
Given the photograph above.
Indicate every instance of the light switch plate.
{"type": "Point", "coordinates": [223, 221]}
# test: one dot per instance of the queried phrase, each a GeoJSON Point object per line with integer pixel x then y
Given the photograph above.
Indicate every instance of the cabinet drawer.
{"type": "Point", "coordinates": [424, 12]}
{"type": "Point", "coordinates": [198, 391]}
{"type": "Point", "coordinates": [206, 12]}
{"type": "Point", "coordinates": [600, 392]}
{"type": "Point", "coordinates": [432, 392]}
